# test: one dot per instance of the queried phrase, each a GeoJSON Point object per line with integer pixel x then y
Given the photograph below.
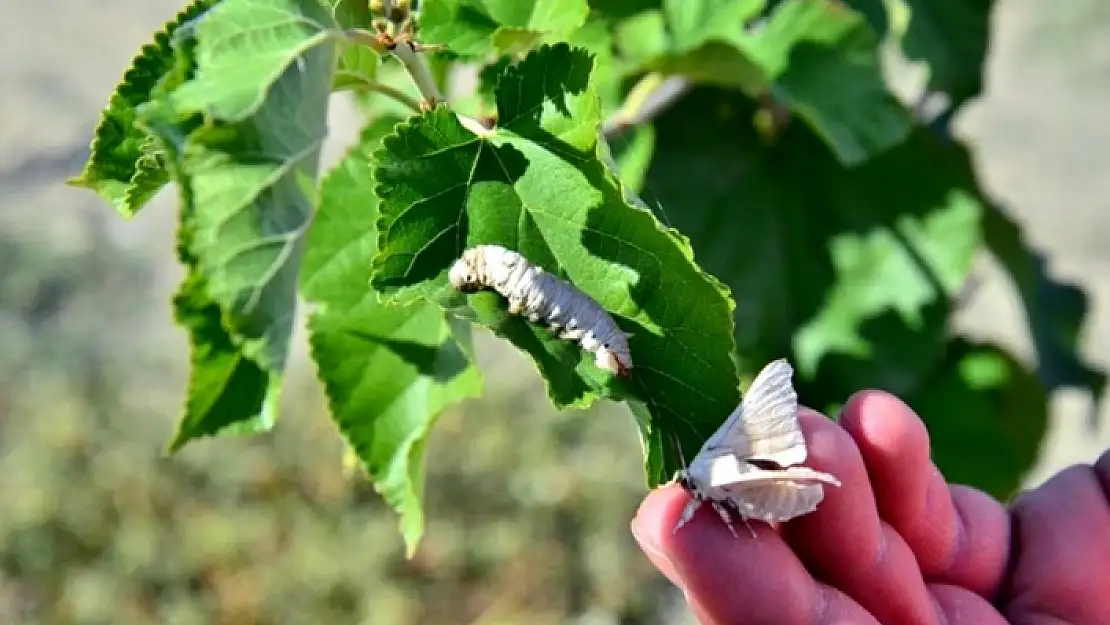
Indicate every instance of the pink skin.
{"type": "Point", "coordinates": [895, 544]}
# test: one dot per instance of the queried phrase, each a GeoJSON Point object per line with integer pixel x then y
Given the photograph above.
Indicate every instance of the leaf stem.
{"type": "Point", "coordinates": [406, 52]}
{"type": "Point", "coordinates": [384, 89]}
{"type": "Point", "coordinates": [419, 72]}
{"type": "Point", "coordinates": [646, 100]}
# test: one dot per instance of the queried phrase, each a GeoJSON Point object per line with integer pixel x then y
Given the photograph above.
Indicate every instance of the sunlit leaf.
{"type": "Point", "coordinates": [389, 370]}
{"type": "Point", "coordinates": [817, 58]}
{"type": "Point", "coordinates": [125, 166]}
{"type": "Point", "coordinates": [475, 27]}
{"type": "Point", "coordinates": [248, 191]}
{"type": "Point", "coordinates": [632, 155]}
{"type": "Point", "coordinates": [539, 185]}
{"type": "Point", "coordinates": [228, 393]}
{"type": "Point", "coordinates": [245, 46]}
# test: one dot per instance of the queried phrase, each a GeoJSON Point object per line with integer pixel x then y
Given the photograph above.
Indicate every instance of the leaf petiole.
{"type": "Point", "coordinates": [406, 53]}
{"type": "Point", "coordinates": [382, 88]}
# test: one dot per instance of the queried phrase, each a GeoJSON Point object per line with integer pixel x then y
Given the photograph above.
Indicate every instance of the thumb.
{"type": "Point", "coordinates": [650, 528]}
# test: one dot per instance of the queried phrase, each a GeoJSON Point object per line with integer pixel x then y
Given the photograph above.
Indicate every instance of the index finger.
{"type": "Point", "coordinates": [736, 580]}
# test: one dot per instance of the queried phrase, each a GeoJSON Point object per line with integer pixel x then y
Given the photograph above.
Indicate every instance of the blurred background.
{"type": "Point", "coordinates": [97, 527]}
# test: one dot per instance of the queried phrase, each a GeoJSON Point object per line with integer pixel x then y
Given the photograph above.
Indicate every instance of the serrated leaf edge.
{"type": "Point", "coordinates": [162, 43]}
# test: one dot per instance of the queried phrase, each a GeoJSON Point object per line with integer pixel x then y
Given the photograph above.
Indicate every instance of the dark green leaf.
{"type": "Point", "coordinates": [950, 36]}
{"type": "Point", "coordinates": [986, 415]}
{"type": "Point", "coordinates": [1055, 311]}
{"type": "Point", "coordinates": [389, 371]}
{"type": "Point", "coordinates": [228, 393]}
{"type": "Point", "coordinates": [126, 167]}
{"type": "Point", "coordinates": [538, 185]}
{"type": "Point", "coordinates": [823, 260]}
{"type": "Point", "coordinates": [815, 57]}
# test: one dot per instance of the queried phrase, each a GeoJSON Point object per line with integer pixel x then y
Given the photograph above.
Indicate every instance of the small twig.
{"type": "Point", "coordinates": [418, 71]}
{"type": "Point", "coordinates": [374, 41]}
{"type": "Point", "coordinates": [405, 51]}
{"type": "Point", "coordinates": [645, 101]}
{"type": "Point", "coordinates": [384, 89]}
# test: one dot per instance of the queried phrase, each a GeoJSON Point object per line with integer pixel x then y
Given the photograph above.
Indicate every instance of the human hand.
{"type": "Point", "coordinates": [895, 544]}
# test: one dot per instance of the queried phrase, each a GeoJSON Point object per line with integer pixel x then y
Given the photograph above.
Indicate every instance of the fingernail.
{"type": "Point", "coordinates": [646, 538]}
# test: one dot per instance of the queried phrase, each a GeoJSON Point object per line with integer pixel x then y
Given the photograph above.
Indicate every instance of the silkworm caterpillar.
{"type": "Point", "coordinates": [542, 297]}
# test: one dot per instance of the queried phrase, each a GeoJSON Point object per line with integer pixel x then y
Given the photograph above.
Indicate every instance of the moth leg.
{"type": "Point", "coordinates": [687, 514]}
{"type": "Point", "coordinates": [723, 513]}
{"type": "Point", "coordinates": [748, 525]}
{"type": "Point", "coordinates": [516, 305]}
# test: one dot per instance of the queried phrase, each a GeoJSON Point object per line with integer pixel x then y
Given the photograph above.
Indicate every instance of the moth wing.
{"type": "Point", "coordinates": [776, 501]}
{"type": "Point", "coordinates": [728, 471]}
{"type": "Point", "coordinates": [772, 495]}
{"type": "Point", "coordinates": [765, 425]}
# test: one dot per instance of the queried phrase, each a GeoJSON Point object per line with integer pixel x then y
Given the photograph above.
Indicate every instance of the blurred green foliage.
{"type": "Point", "coordinates": [844, 227]}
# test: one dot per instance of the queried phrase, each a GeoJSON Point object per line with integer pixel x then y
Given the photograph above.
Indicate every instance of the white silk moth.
{"type": "Point", "coordinates": [748, 464]}
{"type": "Point", "coordinates": [542, 297]}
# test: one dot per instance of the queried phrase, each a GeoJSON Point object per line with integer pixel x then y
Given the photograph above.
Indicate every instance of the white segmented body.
{"type": "Point", "coordinates": [544, 298]}
{"type": "Point", "coordinates": [764, 429]}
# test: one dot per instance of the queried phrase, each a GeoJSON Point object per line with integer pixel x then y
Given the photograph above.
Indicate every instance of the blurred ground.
{"type": "Point", "coordinates": [82, 484]}
{"type": "Point", "coordinates": [1040, 141]}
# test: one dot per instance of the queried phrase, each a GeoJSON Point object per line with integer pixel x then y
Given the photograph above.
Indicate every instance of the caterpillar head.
{"type": "Point", "coordinates": [463, 275]}
{"type": "Point", "coordinates": [616, 363]}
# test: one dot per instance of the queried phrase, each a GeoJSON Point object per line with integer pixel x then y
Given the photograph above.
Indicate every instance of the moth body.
{"type": "Point", "coordinates": [747, 465]}
{"type": "Point", "coordinates": [543, 298]}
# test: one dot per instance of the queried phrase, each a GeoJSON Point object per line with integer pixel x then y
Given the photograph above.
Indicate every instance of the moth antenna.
{"type": "Point", "coordinates": [663, 212]}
